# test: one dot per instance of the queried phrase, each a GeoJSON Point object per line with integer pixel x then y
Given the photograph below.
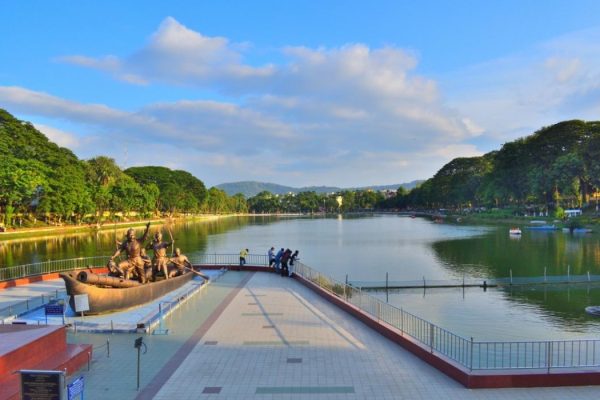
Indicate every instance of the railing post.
{"type": "Point", "coordinates": [431, 336]}
{"type": "Point", "coordinates": [511, 280]}
{"type": "Point", "coordinates": [471, 356]}
{"type": "Point", "coordinates": [402, 321]}
{"type": "Point", "coordinates": [548, 355]}
{"type": "Point", "coordinates": [568, 273]}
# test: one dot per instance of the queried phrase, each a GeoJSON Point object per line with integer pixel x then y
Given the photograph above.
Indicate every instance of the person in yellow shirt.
{"type": "Point", "coordinates": [243, 255]}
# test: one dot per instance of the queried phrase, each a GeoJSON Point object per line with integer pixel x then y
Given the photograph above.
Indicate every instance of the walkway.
{"type": "Point", "coordinates": [258, 335]}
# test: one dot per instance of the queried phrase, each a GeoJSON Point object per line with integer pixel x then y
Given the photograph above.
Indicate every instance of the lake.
{"type": "Point", "coordinates": [365, 248]}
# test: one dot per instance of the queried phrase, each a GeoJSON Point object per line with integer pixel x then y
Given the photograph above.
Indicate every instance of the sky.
{"type": "Point", "coordinates": [299, 93]}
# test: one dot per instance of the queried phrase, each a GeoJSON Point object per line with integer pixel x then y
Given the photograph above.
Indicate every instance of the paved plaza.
{"type": "Point", "coordinates": [259, 335]}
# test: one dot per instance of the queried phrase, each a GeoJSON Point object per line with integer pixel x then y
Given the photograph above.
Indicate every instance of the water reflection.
{"type": "Point", "coordinates": [190, 236]}
{"type": "Point", "coordinates": [369, 247]}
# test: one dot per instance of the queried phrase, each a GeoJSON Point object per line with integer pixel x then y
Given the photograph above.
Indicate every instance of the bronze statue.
{"type": "Point", "coordinates": [147, 264]}
{"type": "Point", "coordinates": [133, 248]}
{"type": "Point", "coordinates": [160, 259]}
{"type": "Point", "coordinates": [181, 262]}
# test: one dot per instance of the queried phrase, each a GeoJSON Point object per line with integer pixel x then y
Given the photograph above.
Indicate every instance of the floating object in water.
{"type": "Point", "coordinates": [593, 310]}
{"type": "Point", "coordinates": [514, 231]}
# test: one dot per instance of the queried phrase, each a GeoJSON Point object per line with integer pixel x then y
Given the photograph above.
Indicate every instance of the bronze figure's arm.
{"type": "Point", "coordinates": [145, 235]}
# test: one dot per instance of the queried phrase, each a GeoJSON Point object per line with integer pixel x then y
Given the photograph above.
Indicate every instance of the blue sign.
{"type": "Point", "coordinates": [75, 388]}
{"type": "Point", "coordinates": [54, 309]}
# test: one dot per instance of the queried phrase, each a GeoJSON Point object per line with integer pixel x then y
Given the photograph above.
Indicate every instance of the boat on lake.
{"type": "Point", "coordinates": [109, 294]}
{"type": "Point", "coordinates": [514, 231]}
{"type": "Point", "coordinates": [543, 228]}
{"type": "Point", "coordinates": [593, 310]}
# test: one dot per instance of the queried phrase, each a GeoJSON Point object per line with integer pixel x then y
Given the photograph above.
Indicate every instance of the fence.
{"type": "Point", "coordinates": [471, 354]}
{"type": "Point", "coordinates": [48, 267]}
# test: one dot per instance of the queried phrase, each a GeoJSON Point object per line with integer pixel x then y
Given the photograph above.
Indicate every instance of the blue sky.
{"type": "Point", "coordinates": [345, 93]}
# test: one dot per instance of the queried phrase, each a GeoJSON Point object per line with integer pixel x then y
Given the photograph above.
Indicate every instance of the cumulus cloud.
{"type": "Point", "coordinates": [61, 138]}
{"type": "Point", "coordinates": [519, 93]}
{"type": "Point", "coordinates": [344, 116]}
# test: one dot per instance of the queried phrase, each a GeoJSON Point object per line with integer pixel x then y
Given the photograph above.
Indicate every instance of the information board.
{"type": "Point", "coordinates": [53, 309]}
{"type": "Point", "coordinates": [81, 302]}
{"type": "Point", "coordinates": [75, 388]}
{"type": "Point", "coordinates": [42, 385]}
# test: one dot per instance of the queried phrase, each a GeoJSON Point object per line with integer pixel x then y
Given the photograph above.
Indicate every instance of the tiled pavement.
{"type": "Point", "coordinates": [279, 340]}
{"type": "Point", "coordinates": [274, 339]}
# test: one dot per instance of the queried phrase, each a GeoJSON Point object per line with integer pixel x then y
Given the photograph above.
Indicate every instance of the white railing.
{"type": "Point", "coordinates": [471, 354]}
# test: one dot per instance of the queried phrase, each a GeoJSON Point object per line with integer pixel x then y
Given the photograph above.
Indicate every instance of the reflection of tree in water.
{"type": "Point", "coordinates": [564, 305]}
{"type": "Point", "coordinates": [495, 255]}
{"type": "Point", "coordinates": [190, 235]}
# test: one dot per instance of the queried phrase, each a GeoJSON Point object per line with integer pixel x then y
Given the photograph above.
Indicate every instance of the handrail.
{"type": "Point", "coordinates": [471, 354]}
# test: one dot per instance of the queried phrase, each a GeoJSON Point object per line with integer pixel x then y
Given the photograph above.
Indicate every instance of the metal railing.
{"type": "Point", "coordinates": [31, 303]}
{"type": "Point", "coordinates": [48, 267]}
{"type": "Point", "coordinates": [229, 259]}
{"type": "Point", "coordinates": [471, 354]}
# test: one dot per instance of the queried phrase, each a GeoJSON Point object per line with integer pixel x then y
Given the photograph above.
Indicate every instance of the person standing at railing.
{"type": "Point", "coordinates": [271, 256]}
{"type": "Point", "coordinates": [243, 255]}
{"type": "Point", "coordinates": [284, 262]}
{"type": "Point", "coordinates": [293, 259]}
{"type": "Point", "coordinates": [278, 260]}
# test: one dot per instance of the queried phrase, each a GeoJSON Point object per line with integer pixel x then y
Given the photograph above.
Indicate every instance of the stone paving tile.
{"type": "Point", "coordinates": [341, 352]}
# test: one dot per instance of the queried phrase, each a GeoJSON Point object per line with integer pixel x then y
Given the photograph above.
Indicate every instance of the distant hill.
{"type": "Point", "coordinates": [252, 188]}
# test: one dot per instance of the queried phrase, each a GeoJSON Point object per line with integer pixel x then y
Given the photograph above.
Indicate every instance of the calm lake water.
{"type": "Point", "coordinates": [366, 248]}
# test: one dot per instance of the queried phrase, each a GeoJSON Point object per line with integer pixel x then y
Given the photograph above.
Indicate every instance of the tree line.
{"type": "Point", "coordinates": [554, 168]}
{"type": "Point", "coordinates": [42, 181]}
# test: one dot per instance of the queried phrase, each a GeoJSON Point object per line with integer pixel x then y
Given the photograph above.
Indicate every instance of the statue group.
{"type": "Point", "coordinates": [139, 266]}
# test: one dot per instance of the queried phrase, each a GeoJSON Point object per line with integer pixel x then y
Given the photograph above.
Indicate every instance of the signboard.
{"type": "Point", "coordinates": [42, 385]}
{"type": "Point", "coordinates": [81, 302]}
{"type": "Point", "coordinates": [75, 388]}
{"type": "Point", "coordinates": [54, 309]}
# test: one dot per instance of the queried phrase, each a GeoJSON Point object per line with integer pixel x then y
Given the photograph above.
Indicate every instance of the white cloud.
{"type": "Point", "coordinates": [61, 138]}
{"type": "Point", "coordinates": [343, 116]}
{"type": "Point", "coordinates": [518, 94]}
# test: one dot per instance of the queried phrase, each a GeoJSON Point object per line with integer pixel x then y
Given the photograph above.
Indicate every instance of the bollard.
{"type": "Point", "coordinates": [89, 357]}
{"type": "Point", "coordinates": [568, 273]}
{"type": "Point", "coordinates": [588, 274]}
{"type": "Point", "coordinates": [511, 281]}
{"type": "Point", "coordinates": [107, 348]}
{"type": "Point", "coordinates": [545, 279]}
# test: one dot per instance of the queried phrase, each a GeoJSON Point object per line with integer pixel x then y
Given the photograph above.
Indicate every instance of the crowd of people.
{"type": "Point", "coordinates": [282, 262]}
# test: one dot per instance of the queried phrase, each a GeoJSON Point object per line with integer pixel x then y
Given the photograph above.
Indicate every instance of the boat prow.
{"type": "Point", "coordinates": [103, 299]}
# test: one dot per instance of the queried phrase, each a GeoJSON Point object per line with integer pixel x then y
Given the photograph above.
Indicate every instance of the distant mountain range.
{"type": "Point", "coordinates": [252, 188]}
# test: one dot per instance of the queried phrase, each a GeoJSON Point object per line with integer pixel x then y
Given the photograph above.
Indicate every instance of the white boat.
{"type": "Point", "coordinates": [594, 310]}
{"type": "Point", "coordinates": [514, 231]}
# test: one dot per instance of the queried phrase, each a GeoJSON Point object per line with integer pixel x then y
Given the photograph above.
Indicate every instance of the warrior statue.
{"type": "Point", "coordinates": [133, 247]}
{"type": "Point", "coordinates": [160, 259]}
{"type": "Point", "coordinates": [181, 262]}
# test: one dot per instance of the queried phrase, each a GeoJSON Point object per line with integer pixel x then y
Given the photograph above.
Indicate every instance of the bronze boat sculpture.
{"type": "Point", "coordinates": [105, 296]}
